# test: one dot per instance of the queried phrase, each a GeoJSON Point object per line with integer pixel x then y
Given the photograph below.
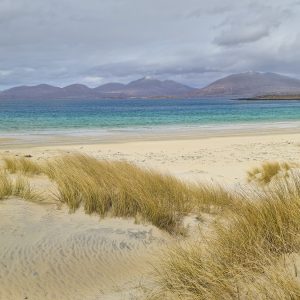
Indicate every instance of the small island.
{"type": "Point", "coordinates": [274, 97]}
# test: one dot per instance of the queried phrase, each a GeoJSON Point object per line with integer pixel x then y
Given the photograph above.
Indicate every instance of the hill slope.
{"type": "Point", "coordinates": [250, 84]}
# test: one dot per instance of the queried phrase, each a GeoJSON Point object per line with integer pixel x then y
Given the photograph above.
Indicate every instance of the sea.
{"type": "Point", "coordinates": [142, 116]}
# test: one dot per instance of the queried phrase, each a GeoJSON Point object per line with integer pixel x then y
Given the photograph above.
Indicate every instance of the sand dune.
{"type": "Point", "coordinates": [46, 253]}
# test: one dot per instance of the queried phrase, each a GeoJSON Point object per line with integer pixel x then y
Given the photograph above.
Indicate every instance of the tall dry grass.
{"type": "Point", "coordinates": [121, 189]}
{"type": "Point", "coordinates": [213, 198]}
{"type": "Point", "coordinates": [257, 234]}
{"type": "Point", "coordinates": [265, 173]}
{"type": "Point", "coordinates": [18, 187]}
{"type": "Point", "coordinates": [125, 190]}
{"type": "Point", "coordinates": [23, 165]}
{"type": "Point", "coordinates": [6, 186]}
{"type": "Point", "coordinates": [246, 257]}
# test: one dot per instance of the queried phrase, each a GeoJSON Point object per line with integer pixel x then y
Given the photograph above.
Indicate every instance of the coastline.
{"type": "Point", "coordinates": [216, 155]}
{"type": "Point", "coordinates": [113, 256]}
{"type": "Point", "coordinates": [140, 134]}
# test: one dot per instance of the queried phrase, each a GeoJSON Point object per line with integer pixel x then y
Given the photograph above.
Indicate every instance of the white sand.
{"type": "Point", "coordinates": [46, 253]}
{"type": "Point", "coordinates": [224, 159]}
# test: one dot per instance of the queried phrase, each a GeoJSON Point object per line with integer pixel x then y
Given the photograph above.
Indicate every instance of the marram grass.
{"type": "Point", "coordinates": [121, 189]}
{"type": "Point", "coordinates": [265, 173]}
{"type": "Point", "coordinates": [6, 186]}
{"type": "Point", "coordinates": [23, 165]}
{"type": "Point", "coordinates": [126, 190]}
{"type": "Point", "coordinates": [18, 187]}
{"type": "Point", "coordinates": [246, 256]}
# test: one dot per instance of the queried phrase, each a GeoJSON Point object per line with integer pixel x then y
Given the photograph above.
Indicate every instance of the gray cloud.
{"type": "Point", "coordinates": [250, 24]}
{"type": "Point", "coordinates": [93, 42]}
{"type": "Point", "coordinates": [247, 35]}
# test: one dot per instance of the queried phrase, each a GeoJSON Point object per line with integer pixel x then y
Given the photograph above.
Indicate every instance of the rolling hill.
{"type": "Point", "coordinates": [249, 84]}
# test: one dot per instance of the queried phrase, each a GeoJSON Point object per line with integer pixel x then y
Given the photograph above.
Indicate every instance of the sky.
{"type": "Point", "coordinates": [93, 42]}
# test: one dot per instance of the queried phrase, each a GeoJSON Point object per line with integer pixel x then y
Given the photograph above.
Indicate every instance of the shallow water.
{"type": "Point", "coordinates": [107, 116]}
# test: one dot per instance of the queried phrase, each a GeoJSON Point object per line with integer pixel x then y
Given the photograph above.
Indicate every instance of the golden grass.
{"type": "Point", "coordinates": [246, 256]}
{"type": "Point", "coordinates": [257, 234]}
{"type": "Point", "coordinates": [23, 165]}
{"type": "Point", "coordinates": [278, 281]}
{"type": "Point", "coordinates": [6, 186]}
{"type": "Point", "coordinates": [268, 171]}
{"type": "Point", "coordinates": [23, 189]}
{"type": "Point", "coordinates": [213, 197]}
{"type": "Point", "coordinates": [121, 189]}
{"type": "Point", "coordinates": [20, 187]}
{"type": "Point", "coordinates": [202, 277]}
{"type": "Point", "coordinates": [125, 190]}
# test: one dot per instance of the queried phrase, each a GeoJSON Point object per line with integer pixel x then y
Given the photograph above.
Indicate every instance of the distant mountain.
{"type": "Point", "coordinates": [29, 92]}
{"type": "Point", "coordinates": [111, 88]}
{"type": "Point", "coordinates": [148, 87]}
{"type": "Point", "coordinates": [244, 85]}
{"type": "Point", "coordinates": [142, 88]}
{"type": "Point", "coordinates": [73, 91]}
{"type": "Point", "coordinates": [249, 84]}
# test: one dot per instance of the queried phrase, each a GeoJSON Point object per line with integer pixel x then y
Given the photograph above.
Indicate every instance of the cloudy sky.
{"type": "Point", "coordinates": [97, 41]}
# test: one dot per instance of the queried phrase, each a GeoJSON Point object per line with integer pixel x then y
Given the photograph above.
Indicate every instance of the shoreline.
{"type": "Point", "coordinates": [114, 256]}
{"type": "Point", "coordinates": [224, 158]}
{"type": "Point", "coordinates": [127, 135]}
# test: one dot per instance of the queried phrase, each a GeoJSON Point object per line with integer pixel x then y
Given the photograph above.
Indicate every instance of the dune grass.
{"type": "Point", "coordinates": [191, 273]}
{"type": "Point", "coordinates": [246, 256]}
{"type": "Point", "coordinates": [268, 171]}
{"type": "Point", "coordinates": [121, 189]}
{"type": "Point", "coordinates": [23, 165]}
{"type": "Point", "coordinates": [19, 187]}
{"type": "Point", "coordinates": [213, 198]}
{"type": "Point", "coordinates": [6, 186]}
{"type": "Point", "coordinates": [124, 190]}
{"type": "Point", "coordinates": [23, 189]}
{"type": "Point", "coordinates": [257, 235]}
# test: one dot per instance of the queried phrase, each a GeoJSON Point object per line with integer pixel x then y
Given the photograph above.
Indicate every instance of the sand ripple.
{"type": "Point", "coordinates": [47, 253]}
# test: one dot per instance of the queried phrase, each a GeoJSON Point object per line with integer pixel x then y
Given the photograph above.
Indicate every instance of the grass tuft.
{"type": "Point", "coordinates": [257, 235]}
{"type": "Point", "coordinates": [268, 171]}
{"type": "Point", "coordinates": [125, 190]}
{"type": "Point", "coordinates": [214, 198]}
{"type": "Point", "coordinates": [6, 186]}
{"type": "Point", "coordinates": [121, 189]}
{"type": "Point", "coordinates": [20, 187]}
{"type": "Point", "coordinates": [23, 165]}
{"type": "Point", "coordinates": [23, 189]}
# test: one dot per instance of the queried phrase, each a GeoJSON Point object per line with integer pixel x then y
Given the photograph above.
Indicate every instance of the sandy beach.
{"type": "Point", "coordinates": [149, 150]}
{"type": "Point", "coordinates": [47, 253]}
{"type": "Point", "coordinates": [222, 158]}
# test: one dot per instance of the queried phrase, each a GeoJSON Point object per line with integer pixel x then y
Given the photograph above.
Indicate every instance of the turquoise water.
{"type": "Point", "coordinates": [79, 115]}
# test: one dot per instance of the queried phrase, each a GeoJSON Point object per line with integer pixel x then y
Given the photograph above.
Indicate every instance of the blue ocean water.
{"type": "Point", "coordinates": [63, 115]}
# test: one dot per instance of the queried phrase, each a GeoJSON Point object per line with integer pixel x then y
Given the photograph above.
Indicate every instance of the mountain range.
{"type": "Point", "coordinates": [249, 84]}
{"type": "Point", "coordinates": [141, 88]}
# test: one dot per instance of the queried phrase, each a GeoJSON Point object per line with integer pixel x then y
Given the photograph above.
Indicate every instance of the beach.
{"type": "Point", "coordinates": [149, 150]}
{"type": "Point", "coordinates": [48, 253]}
{"type": "Point", "coordinates": [221, 158]}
